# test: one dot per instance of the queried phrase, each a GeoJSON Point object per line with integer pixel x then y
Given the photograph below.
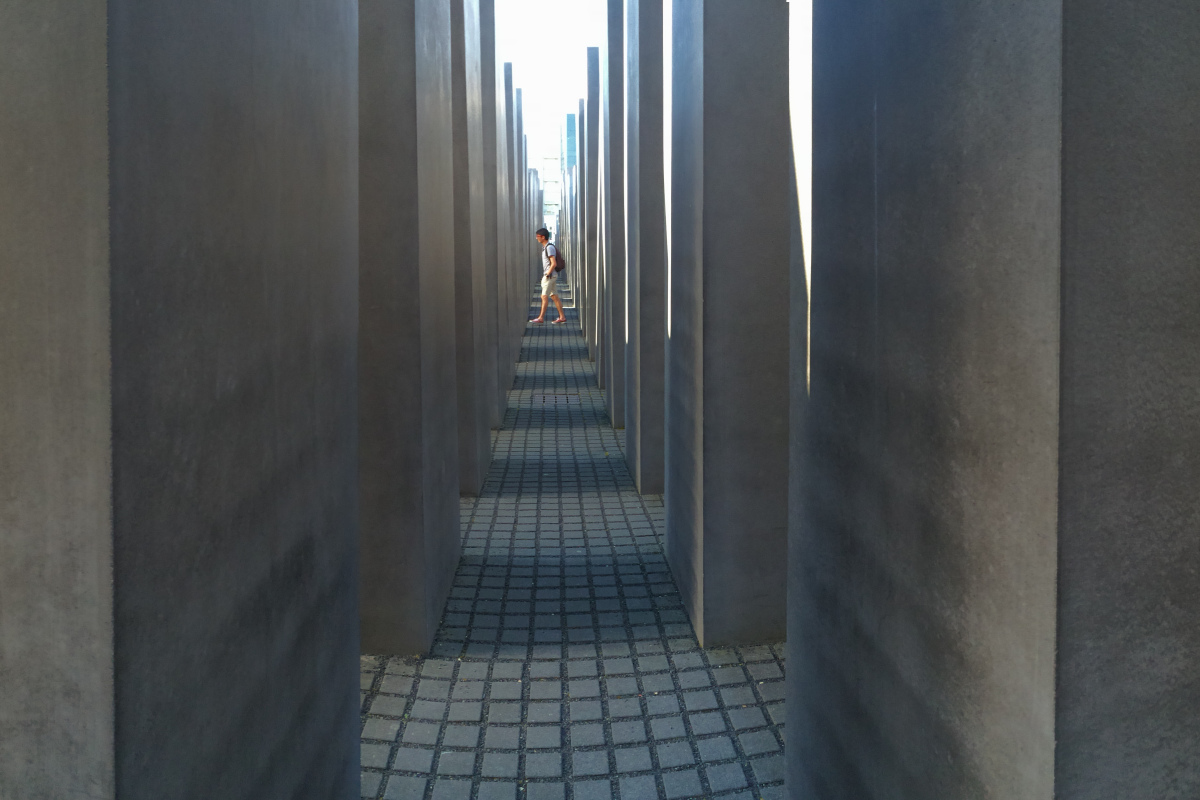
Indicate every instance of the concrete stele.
{"type": "Point", "coordinates": [408, 445]}
{"type": "Point", "coordinates": [646, 246]}
{"type": "Point", "coordinates": [727, 371]}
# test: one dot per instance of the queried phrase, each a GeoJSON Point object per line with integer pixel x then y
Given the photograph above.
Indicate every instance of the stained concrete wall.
{"type": "Point", "coordinates": [56, 623]}
{"type": "Point", "coordinates": [922, 643]}
{"type": "Point", "coordinates": [408, 470]}
{"type": "Point", "coordinates": [646, 244]}
{"type": "Point", "coordinates": [1128, 593]}
{"type": "Point", "coordinates": [613, 120]}
{"type": "Point", "coordinates": [727, 371]}
{"type": "Point", "coordinates": [178, 255]}
{"type": "Point", "coordinates": [476, 370]}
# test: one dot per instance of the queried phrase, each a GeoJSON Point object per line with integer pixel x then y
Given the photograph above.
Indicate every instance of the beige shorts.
{"type": "Point", "coordinates": [549, 285]}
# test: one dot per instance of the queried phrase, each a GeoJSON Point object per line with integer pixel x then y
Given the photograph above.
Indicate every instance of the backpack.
{"type": "Point", "coordinates": [562, 262]}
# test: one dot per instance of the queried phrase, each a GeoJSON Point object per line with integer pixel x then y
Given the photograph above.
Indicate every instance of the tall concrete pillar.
{"type": "Point", "coordinates": [408, 410]}
{"type": "Point", "coordinates": [177, 353]}
{"type": "Point", "coordinates": [509, 311]}
{"type": "Point", "coordinates": [581, 224]}
{"type": "Point", "coordinates": [645, 245]}
{"type": "Point", "coordinates": [491, 240]}
{"type": "Point", "coordinates": [727, 362]}
{"type": "Point", "coordinates": [476, 374]}
{"type": "Point", "coordinates": [994, 565]}
{"type": "Point", "coordinates": [614, 181]}
{"type": "Point", "coordinates": [599, 318]}
{"type": "Point", "coordinates": [591, 203]}
{"type": "Point", "coordinates": [517, 317]}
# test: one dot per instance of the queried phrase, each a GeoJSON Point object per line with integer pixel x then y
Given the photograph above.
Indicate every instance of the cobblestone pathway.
{"type": "Point", "coordinates": [565, 666]}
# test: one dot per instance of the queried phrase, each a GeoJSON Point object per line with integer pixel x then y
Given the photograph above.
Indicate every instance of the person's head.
{"type": "Point", "coordinates": [542, 235]}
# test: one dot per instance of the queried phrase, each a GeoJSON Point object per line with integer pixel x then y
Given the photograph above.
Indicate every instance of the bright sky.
{"type": "Point", "coordinates": [547, 41]}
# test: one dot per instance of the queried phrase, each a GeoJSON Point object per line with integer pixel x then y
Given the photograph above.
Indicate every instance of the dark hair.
{"type": "Point", "coordinates": [542, 232]}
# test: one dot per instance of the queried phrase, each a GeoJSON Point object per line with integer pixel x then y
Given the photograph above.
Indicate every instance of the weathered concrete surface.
{"type": "Point", "coordinates": [407, 370]}
{"type": "Point", "coordinates": [591, 208]}
{"type": "Point", "coordinates": [613, 117]}
{"type": "Point", "coordinates": [646, 244]}
{"type": "Point", "coordinates": [515, 317]}
{"type": "Point", "coordinates": [923, 588]}
{"type": "Point", "coordinates": [476, 373]}
{"type": "Point", "coordinates": [179, 268]}
{"type": "Point", "coordinates": [504, 318]}
{"type": "Point", "coordinates": [727, 384]}
{"type": "Point", "coordinates": [1128, 687]}
{"type": "Point", "coordinates": [491, 187]}
{"type": "Point", "coordinates": [55, 466]}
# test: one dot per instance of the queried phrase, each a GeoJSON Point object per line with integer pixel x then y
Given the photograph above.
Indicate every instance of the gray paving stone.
{"type": "Point", "coordinates": [421, 733]}
{"type": "Point", "coordinates": [667, 728]}
{"type": "Point", "coordinates": [412, 759]}
{"type": "Point", "coordinates": [375, 755]}
{"type": "Point", "coordinates": [725, 777]}
{"type": "Point", "coordinates": [499, 765]}
{"type": "Point", "coordinates": [543, 765]}
{"type": "Point", "coordinates": [675, 754]}
{"type": "Point", "coordinates": [388, 706]}
{"type": "Point", "coordinates": [396, 684]}
{"type": "Point", "coordinates": [701, 724]}
{"type": "Point", "coordinates": [502, 738]}
{"type": "Point", "coordinates": [428, 709]}
{"type": "Point", "coordinates": [456, 762]}
{"type": "Point", "coordinates": [768, 770]}
{"type": "Point", "coordinates": [587, 735]}
{"type": "Point", "coordinates": [639, 788]}
{"type": "Point", "coordinates": [489, 790]}
{"type": "Point", "coordinates": [719, 748]}
{"type": "Point", "coordinates": [466, 736]}
{"type": "Point", "coordinates": [449, 789]}
{"type": "Point", "coordinates": [543, 737]}
{"type": "Point", "coordinates": [633, 759]}
{"type": "Point", "coordinates": [545, 791]}
{"type": "Point", "coordinates": [592, 790]}
{"type": "Point", "coordinates": [758, 742]}
{"type": "Point", "coordinates": [589, 762]}
{"type": "Point", "coordinates": [379, 728]}
{"type": "Point", "coordinates": [628, 732]}
{"type": "Point", "coordinates": [401, 787]}
{"type": "Point", "coordinates": [544, 712]}
{"type": "Point", "coordinates": [685, 783]}
{"type": "Point", "coordinates": [662, 704]}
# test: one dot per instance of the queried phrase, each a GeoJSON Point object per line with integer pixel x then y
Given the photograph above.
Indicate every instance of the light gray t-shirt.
{"type": "Point", "coordinates": [548, 251]}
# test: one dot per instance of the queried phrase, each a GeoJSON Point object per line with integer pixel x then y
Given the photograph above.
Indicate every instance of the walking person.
{"type": "Point", "coordinates": [550, 262]}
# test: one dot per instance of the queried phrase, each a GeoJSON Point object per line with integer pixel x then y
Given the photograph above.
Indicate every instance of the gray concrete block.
{"type": "Point", "coordinates": [177, 246]}
{"type": "Point", "coordinates": [408, 413]}
{"type": "Point", "coordinates": [646, 245]}
{"type": "Point", "coordinates": [727, 371]}
{"type": "Point", "coordinates": [56, 625]}
{"type": "Point", "coordinates": [491, 186]}
{"type": "Point", "coordinates": [591, 210]}
{"type": "Point", "coordinates": [992, 564]}
{"type": "Point", "coordinates": [1127, 688]}
{"type": "Point", "coordinates": [476, 372]}
{"type": "Point", "coordinates": [613, 121]}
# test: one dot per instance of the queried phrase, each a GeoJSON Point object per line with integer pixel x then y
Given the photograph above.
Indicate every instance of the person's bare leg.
{"type": "Point", "coordinates": [562, 316]}
{"type": "Point", "coordinates": [542, 316]}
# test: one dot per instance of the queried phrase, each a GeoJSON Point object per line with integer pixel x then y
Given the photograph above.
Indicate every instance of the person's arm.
{"type": "Point", "coordinates": [553, 262]}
